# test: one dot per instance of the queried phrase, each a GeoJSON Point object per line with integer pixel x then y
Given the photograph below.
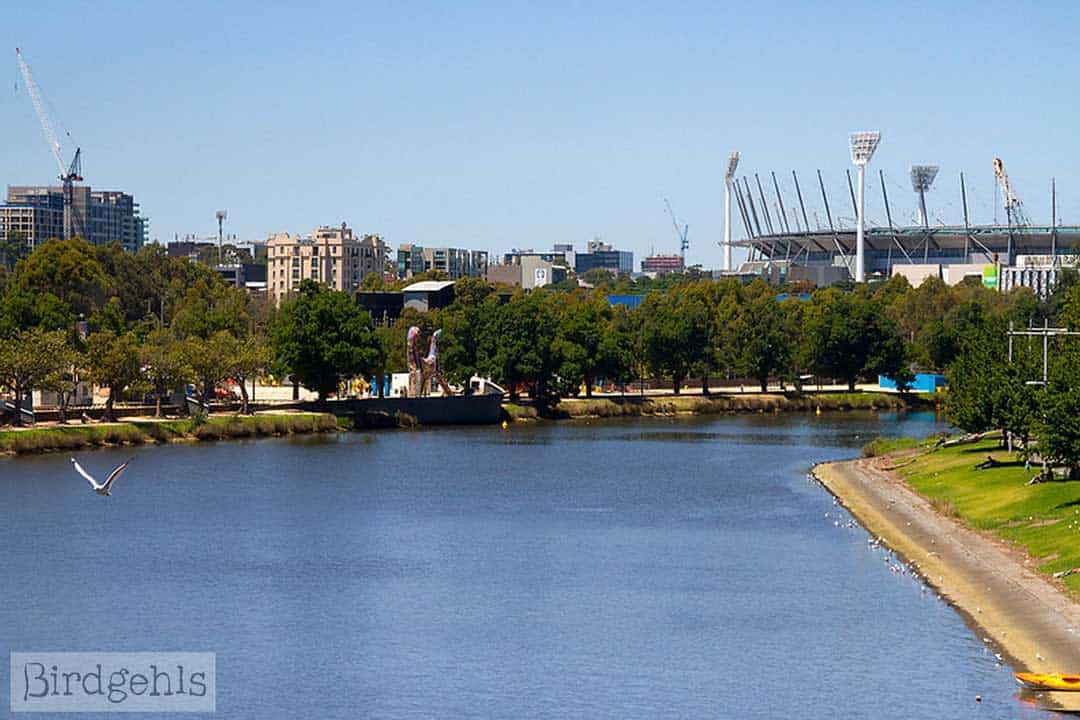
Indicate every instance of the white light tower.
{"type": "Point", "coordinates": [733, 162]}
{"type": "Point", "coordinates": [863, 145]}
{"type": "Point", "coordinates": [922, 177]}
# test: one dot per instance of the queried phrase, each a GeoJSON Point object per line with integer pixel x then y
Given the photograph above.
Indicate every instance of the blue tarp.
{"type": "Point", "coordinates": [924, 382]}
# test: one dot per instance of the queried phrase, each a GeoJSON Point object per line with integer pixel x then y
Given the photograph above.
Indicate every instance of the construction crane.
{"type": "Point", "coordinates": [1014, 209]}
{"type": "Point", "coordinates": [682, 234]}
{"type": "Point", "coordinates": [69, 174]}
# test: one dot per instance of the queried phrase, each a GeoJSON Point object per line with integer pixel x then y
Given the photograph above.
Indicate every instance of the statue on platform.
{"type": "Point", "coordinates": [415, 363]}
{"type": "Point", "coordinates": [432, 368]}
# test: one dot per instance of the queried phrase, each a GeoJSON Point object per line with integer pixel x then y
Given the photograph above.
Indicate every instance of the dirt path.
{"type": "Point", "coordinates": [996, 587]}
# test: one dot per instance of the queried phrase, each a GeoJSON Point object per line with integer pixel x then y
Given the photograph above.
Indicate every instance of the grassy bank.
{"type": "Point", "coordinates": [74, 437]}
{"type": "Point", "coordinates": [1043, 519]}
{"type": "Point", "coordinates": [633, 406]}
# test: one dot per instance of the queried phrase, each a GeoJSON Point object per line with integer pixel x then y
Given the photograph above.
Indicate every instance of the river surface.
{"type": "Point", "coordinates": [647, 568]}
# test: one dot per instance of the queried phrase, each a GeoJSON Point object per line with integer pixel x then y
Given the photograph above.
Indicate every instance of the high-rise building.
{"type": "Point", "coordinates": [36, 212]}
{"type": "Point", "coordinates": [335, 257]}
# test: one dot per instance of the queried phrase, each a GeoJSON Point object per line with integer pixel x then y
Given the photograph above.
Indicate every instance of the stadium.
{"type": "Point", "coordinates": [785, 241]}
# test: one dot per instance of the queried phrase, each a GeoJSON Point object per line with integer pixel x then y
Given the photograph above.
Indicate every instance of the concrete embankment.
{"type": "Point", "coordinates": [667, 405]}
{"type": "Point", "coordinates": [994, 586]}
{"type": "Point", "coordinates": [139, 432]}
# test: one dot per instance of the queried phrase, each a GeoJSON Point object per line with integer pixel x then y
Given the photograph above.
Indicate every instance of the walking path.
{"type": "Point", "coordinates": [994, 586]}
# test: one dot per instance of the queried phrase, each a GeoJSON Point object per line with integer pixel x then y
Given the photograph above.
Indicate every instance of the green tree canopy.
{"type": "Point", "coordinates": [323, 337]}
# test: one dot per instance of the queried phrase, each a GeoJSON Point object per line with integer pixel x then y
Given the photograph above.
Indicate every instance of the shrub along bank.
{"type": "Point", "coordinates": [74, 437]}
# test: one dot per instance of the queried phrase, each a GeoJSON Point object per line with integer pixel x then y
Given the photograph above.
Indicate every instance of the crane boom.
{"type": "Point", "coordinates": [39, 108]}
{"type": "Point", "coordinates": [681, 234]}
{"type": "Point", "coordinates": [1014, 209]}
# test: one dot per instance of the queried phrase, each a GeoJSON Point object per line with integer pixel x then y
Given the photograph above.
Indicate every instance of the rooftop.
{"type": "Point", "coordinates": [429, 286]}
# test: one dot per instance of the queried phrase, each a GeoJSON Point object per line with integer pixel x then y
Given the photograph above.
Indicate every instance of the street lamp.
{"type": "Point", "coordinates": [922, 177]}
{"type": "Point", "coordinates": [729, 176]}
{"type": "Point", "coordinates": [863, 145]}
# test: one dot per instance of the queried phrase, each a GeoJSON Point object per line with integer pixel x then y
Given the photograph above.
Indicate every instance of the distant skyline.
{"type": "Point", "coordinates": [500, 125]}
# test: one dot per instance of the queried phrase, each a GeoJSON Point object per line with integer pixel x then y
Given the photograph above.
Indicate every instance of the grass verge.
{"type": "Point", "coordinates": [721, 403]}
{"type": "Point", "coordinates": [74, 437]}
{"type": "Point", "coordinates": [1043, 519]}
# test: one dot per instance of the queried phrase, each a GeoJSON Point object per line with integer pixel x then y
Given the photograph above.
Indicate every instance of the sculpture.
{"type": "Point", "coordinates": [415, 362]}
{"type": "Point", "coordinates": [432, 368]}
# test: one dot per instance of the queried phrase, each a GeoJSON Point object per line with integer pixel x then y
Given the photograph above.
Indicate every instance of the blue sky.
{"type": "Point", "coordinates": [499, 125]}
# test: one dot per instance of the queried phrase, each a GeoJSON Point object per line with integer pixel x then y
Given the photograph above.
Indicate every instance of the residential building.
{"type": "Point", "coordinates": [455, 263]}
{"type": "Point", "coordinates": [335, 257]}
{"type": "Point", "coordinates": [101, 217]}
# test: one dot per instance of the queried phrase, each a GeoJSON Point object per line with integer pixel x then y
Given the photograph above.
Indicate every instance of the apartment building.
{"type": "Point", "coordinates": [455, 263]}
{"type": "Point", "coordinates": [36, 213]}
{"type": "Point", "coordinates": [335, 257]}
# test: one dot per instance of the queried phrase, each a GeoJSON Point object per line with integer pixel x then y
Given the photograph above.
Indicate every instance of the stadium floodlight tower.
{"type": "Point", "coordinates": [863, 145]}
{"type": "Point", "coordinates": [922, 177]}
{"type": "Point", "coordinates": [729, 176]}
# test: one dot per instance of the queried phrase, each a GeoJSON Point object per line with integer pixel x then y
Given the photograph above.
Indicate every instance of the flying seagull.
{"type": "Point", "coordinates": [102, 488]}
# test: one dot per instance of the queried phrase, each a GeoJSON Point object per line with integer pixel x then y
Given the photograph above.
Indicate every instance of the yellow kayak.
{"type": "Point", "coordinates": [1048, 681]}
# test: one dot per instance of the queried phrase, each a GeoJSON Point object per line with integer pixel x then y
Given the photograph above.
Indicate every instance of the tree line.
{"type": "Point", "coordinates": [155, 323]}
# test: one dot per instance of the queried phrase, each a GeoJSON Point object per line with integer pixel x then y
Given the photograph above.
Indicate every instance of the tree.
{"type": "Point", "coordinates": [165, 365]}
{"type": "Point", "coordinates": [113, 361]}
{"type": "Point", "coordinates": [582, 323]}
{"type": "Point", "coordinates": [618, 351]}
{"type": "Point", "coordinates": [248, 358]}
{"type": "Point", "coordinates": [852, 337]}
{"type": "Point", "coordinates": [373, 282]}
{"type": "Point", "coordinates": [69, 270]}
{"type": "Point", "coordinates": [13, 247]}
{"type": "Point", "coordinates": [1058, 422]}
{"type": "Point", "coordinates": [464, 324]}
{"type": "Point", "coordinates": [209, 359]}
{"type": "Point", "coordinates": [208, 308]}
{"type": "Point", "coordinates": [518, 346]}
{"type": "Point", "coordinates": [675, 334]}
{"type": "Point", "coordinates": [33, 358]}
{"type": "Point", "coordinates": [323, 337]}
{"type": "Point", "coordinates": [762, 339]}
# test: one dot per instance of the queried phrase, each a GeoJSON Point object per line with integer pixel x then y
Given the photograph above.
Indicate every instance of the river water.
{"type": "Point", "coordinates": [648, 568]}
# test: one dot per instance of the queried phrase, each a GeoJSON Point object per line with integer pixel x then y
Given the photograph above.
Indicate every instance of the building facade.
{"type": "Point", "coordinates": [102, 217]}
{"type": "Point", "coordinates": [660, 264]}
{"type": "Point", "coordinates": [455, 263]}
{"type": "Point", "coordinates": [605, 257]}
{"type": "Point", "coordinates": [335, 257]}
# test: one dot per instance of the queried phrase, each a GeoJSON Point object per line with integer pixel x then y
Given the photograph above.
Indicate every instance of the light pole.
{"type": "Point", "coordinates": [922, 176]}
{"type": "Point", "coordinates": [221, 215]}
{"type": "Point", "coordinates": [729, 176]}
{"type": "Point", "coordinates": [863, 145]}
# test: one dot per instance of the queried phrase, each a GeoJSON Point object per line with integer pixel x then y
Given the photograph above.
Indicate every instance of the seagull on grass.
{"type": "Point", "coordinates": [105, 487]}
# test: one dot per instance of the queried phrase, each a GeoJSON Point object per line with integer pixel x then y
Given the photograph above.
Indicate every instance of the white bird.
{"type": "Point", "coordinates": [101, 488]}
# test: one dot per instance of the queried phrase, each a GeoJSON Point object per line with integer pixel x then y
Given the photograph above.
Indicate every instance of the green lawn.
{"type": "Point", "coordinates": [1044, 519]}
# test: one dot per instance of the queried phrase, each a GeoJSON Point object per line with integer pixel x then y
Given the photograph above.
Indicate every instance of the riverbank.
{"type": "Point", "coordinates": [1029, 617]}
{"type": "Point", "coordinates": [151, 430]}
{"type": "Point", "coordinates": [718, 403]}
